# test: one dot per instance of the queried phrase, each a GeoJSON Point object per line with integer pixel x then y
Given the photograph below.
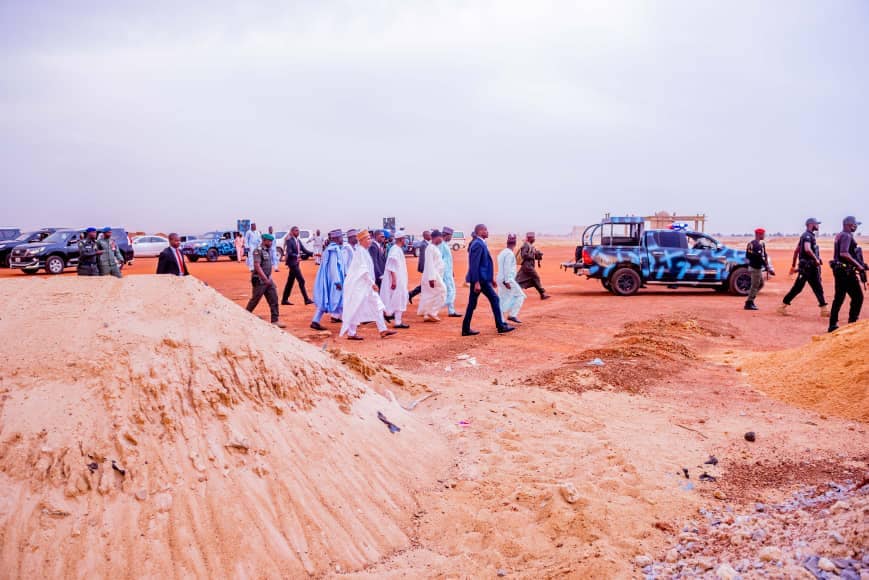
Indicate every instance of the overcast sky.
{"type": "Point", "coordinates": [537, 115]}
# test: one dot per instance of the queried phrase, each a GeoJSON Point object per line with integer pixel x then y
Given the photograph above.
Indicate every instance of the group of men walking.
{"type": "Point", "coordinates": [99, 256]}
{"type": "Point", "coordinates": [365, 279]}
{"type": "Point", "coordinates": [848, 266]}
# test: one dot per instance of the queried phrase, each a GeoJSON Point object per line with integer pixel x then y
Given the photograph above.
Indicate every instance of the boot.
{"type": "Point", "coordinates": [750, 305]}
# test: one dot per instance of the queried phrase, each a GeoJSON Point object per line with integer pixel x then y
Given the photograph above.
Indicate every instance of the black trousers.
{"type": "Point", "coordinates": [489, 292]}
{"type": "Point", "coordinates": [293, 276]}
{"type": "Point", "coordinates": [847, 283]}
{"type": "Point", "coordinates": [268, 290]}
{"type": "Point", "coordinates": [87, 270]}
{"type": "Point", "coordinates": [810, 275]}
{"type": "Point", "coordinates": [415, 292]}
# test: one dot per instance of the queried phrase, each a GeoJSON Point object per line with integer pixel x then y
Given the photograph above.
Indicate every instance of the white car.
{"type": "Point", "coordinates": [281, 237]}
{"type": "Point", "coordinates": [149, 246]}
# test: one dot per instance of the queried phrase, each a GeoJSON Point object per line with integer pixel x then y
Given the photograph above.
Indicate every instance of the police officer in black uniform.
{"type": "Point", "coordinates": [847, 267]}
{"type": "Point", "coordinates": [261, 279]}
{"type": "Point", "coordinates": [88, 254]}
{"type": "Point", "coordinates": [809, 262]}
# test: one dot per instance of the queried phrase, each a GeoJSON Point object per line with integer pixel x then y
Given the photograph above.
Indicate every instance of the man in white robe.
{"type": "Point", "coordinates": [510, 293]}
{"type": "Point", "coordinates": [252, 240]}
{"type": "Point", "coordinates": [433, 294]}
{"type": "Point", "coordinates": [393, 287]}
{"type": "Point", "coordinates": [361, 301]}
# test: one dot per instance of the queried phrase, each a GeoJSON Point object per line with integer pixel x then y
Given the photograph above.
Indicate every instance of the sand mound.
{"type": "Point", "coordinates": [829, 375]}
{"type": "Point", "coordinates": [150, 427]}
{"type": "Point", "coordinates": [643, 352]}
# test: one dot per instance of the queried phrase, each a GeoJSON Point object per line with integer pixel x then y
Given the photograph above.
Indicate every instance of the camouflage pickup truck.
{"type": "Point", "coordinates": [211, 245]}
{"type": "Point", "coordinates": [625, 257]}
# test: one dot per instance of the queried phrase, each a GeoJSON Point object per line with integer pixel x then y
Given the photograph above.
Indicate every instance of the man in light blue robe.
{"type": "Point", "coordinates": [449, 281]}
{"type": "Point", "coordinates": [329, 283]}
{"type": "Point", "coordinates": [510, 293]}
{"type": "Point", "coordinates": [349, 248]}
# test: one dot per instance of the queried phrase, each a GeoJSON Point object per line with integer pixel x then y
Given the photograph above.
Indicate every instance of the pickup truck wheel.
{"type": "Point", "coordinates": [54, 265]}
{"type": "Point", "coordinates": [212, 255]}
{"type": "Point", "coordinates": [193, 258]}
{"type": "Point", "coordinates": [625, 282]}
{"type": "Point", "coordinates": [740, 282]}
{"type": "Point", "coordinates": [456, 247]}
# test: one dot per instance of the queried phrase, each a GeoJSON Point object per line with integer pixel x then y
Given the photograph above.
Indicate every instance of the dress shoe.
{"type": "Point", "coordinates": [825, 311]}
{"type": "Point", "coordinates": [388, 318]}
{"type": "Point", "coordinates": [470, 332]}
{"type": "Point", "coordinates": [545, 296]}
{"type": "Point", "coordinates": [286, 303]}
{"type": "Point", "coordinates": [307, 302]}
{"type": "Point", "coordinates": [335, 320]}
{"type": "Point", "coordinates": [514, 319]}
{"type": "Point", "coordinates": [783, 309]}
{"type": "Point", "coordinates": [354, 337]}
{"type": "Point", "coordinates": [455, 315]}
{"type": "Point", "coordinates": [506, 328]}
{"type": "Point", "coordinates": [317, 326]}
{"type": "Point", "coordinates": [279, 324]}
{"type": "Point", "coordinates": [387, 333]}
{"type": "Point", "coordinates": [401, 326]}
{"type": "Point", "coordinates": [833, 328]}
{"type": "Point", "coordinates": [751, 306]}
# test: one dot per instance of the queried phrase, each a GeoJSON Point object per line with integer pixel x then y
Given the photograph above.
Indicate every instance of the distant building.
{"type": "Point", "coordinates": [663, 220]}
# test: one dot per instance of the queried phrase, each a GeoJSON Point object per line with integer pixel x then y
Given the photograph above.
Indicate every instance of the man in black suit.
{"type": "Point", "coordinates": [377, 249]}
{"type": "Point", "coordinates": [420, 264]}
{"type": "Point", "coordinates": [295, 251]}
{"type": "Point", "coordinates": [481, 277]}
{"type": "Point", "coordinates": [171, 260]}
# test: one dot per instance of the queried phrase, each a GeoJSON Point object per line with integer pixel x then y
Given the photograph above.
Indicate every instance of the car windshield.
{"type": "Point", "coordinates": [26, 236]}
{"type": "Point", "coordinates": [280, 234]}
{"type": "Point", "coordinates": [58, 237]}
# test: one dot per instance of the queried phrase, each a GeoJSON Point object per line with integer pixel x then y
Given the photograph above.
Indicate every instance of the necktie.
{"type": "Point", "coordinates": [180, 262]}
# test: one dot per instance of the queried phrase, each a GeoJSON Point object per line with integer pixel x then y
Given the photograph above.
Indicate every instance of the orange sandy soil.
{"type": "Point", "coordinates": [524, 416]}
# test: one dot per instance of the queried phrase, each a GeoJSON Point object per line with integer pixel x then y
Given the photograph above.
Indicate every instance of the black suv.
{"type": "Point", "coordinates": [7, 246]}
{"type": "Point", "coordinates": [60, 251]}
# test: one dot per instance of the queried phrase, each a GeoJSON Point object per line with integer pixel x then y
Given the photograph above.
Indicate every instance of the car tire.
{"type": "Point", "coordinates": [212, 255]}
{"type": "Point", "coordinates": [193, 258]}
{"type": "Point", "coordinates": [606, 284]}
{"type": "Point", "coordinates": [54, 265]}
{"type": "Point", "coordinates": [7, 261]}
{"type": "Point", "coordinates": [30, 271]}
{"type": "Point", "coordinates": [415, 253]}
{"type": "Point", "coordinates": [740, 281]}
{"type": "Point", "coordinates": [456, 247]}
{"type": "Point", "coordinates": [625, 282]}
{"type": "Point", "coordinates": [280, 254]}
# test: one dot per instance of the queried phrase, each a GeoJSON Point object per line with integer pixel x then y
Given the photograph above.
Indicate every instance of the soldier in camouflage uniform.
{"type": "Point", "coordinates": [261, 279]}
{"type": "Point", "coordinates": [110, 259]}
{"type": "Point", "coordinates": [88, 254]}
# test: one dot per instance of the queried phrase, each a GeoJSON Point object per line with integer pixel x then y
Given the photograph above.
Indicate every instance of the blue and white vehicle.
{"type": "Point", "coordinates": [625, 257]}
{"type": "Point", "coordinates": [211, 245]}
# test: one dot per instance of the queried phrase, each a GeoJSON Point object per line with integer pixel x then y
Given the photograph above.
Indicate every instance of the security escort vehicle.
{"type": "Point", "coordinates": [60, 251]}
{"type": "Point", "coordinates": [625, 257]}
{"type": "Point", "coordinates": [211, 245]}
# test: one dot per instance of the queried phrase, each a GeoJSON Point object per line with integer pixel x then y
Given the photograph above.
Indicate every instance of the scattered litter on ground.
{"type": "Point", "coordinates": [393, 428]}
{"type": "Point", "coordinates": [750, 437]}
{"type": "Point", "coordinates": [596, 363]}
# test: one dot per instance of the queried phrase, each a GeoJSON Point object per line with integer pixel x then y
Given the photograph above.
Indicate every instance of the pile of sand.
{"type": "Point", "coordinates": [150, 427]}
{"type": "Point", "coordinates": [829, 375]}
